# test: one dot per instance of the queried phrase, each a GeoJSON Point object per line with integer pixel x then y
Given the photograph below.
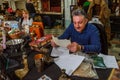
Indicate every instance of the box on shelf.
{"type": "Point", "coordinates": [41, 41]}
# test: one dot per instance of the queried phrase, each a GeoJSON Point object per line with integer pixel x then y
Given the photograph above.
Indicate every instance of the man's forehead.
{"type": "Point", "coordinates": [79, 16]}
{"type": "Point", "coordinates": [78, 19]}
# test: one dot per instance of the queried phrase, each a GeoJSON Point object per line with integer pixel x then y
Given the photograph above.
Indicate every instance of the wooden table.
{"type": "Point", "coordinates": [53, 71]}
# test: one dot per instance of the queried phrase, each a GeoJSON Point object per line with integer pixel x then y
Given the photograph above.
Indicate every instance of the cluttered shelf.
{"type": "Point", "coordinates": [52, 19]}
{"type": "Point", "coordinates": [51, 13]}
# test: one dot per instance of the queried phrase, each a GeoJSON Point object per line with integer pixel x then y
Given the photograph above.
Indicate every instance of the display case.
{"type": "Point", "coordinates": [51, 5]}
{"type": "Point", "coordinates": [52, 12]}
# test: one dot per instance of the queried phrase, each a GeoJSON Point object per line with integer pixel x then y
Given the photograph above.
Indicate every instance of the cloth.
{"type": "Point", "coordinates": [89, 38]}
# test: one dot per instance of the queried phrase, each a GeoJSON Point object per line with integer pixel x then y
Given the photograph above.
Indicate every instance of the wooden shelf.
{"type": "Point", "coordinates": [52, 13]}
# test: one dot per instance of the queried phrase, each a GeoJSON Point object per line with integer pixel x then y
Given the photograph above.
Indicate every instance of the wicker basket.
{"type": "Point", "coordinates": [15, 35]}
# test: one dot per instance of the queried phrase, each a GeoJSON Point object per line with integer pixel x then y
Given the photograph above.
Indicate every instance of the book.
{"type": "Point", "coordinates": [98, 62]}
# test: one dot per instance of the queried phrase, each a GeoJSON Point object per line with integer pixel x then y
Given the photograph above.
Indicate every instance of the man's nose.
{"type": "Point", "coordinates": [78, 25]}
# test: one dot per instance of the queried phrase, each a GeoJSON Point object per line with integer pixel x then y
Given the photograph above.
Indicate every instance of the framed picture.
{"type": "Point", "coordinates": [45, 5]}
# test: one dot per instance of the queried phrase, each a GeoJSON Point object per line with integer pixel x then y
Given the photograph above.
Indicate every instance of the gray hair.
{"type": "Point", "coordinates": [78, 12]}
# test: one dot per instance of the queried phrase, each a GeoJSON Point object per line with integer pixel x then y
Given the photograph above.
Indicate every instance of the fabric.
{"type": "Point", "coordinates": [89, 38]}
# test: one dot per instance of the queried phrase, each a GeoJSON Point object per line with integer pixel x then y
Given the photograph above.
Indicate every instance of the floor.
{"type": "Point", "coordinates": [114, 49]}
{"type": "Point", "coordinates": [56, 31]}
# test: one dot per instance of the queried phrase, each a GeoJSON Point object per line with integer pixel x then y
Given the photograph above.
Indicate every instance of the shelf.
{"type": "Point", "coordinates": [52, 13]}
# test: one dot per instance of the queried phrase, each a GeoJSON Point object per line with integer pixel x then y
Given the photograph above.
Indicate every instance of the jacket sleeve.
{"type": "Point", "coordinates": [67, 33]}
{"type": "Point", "coordinates": [95, 45]}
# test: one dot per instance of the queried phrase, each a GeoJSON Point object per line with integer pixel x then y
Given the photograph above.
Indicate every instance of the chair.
{"type": "Point", "coordinates": [7, 66]}
{"type": "Point", "coordinates": [103, 38]}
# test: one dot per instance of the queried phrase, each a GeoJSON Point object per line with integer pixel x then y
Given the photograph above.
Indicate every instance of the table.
{"type": "Point", "coordinates": [53, 71]}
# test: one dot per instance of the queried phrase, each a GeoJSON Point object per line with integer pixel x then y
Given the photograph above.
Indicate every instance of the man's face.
{"type": "Point", "coordinates": [79, 23]}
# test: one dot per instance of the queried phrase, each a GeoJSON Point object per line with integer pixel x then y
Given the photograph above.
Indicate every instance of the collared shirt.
{"type": "Point", "coordinates": [89, 37]}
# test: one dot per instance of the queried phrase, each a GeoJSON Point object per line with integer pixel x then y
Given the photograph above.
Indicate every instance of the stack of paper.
{"type": "Point", "coordinates": [69, 62]}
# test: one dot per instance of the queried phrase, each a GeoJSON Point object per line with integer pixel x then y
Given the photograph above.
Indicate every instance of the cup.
{"type": "Point", "coordinates": [39, 62]}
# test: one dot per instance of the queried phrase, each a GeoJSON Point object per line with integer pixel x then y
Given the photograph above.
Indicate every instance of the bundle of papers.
{"type": "Point", "coordinates": [61, 42]}
{"type": "Point", "coordinates": [69, 62]}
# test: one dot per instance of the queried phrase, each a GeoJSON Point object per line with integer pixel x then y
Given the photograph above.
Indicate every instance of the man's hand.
{"type": "Point", "coordinates": [53, 44]}
{"type": "Point", "coordinates": [74, 47]}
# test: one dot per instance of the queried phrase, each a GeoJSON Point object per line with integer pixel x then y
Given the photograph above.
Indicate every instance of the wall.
{"type": "Point", "coordinates": [20, 4]}
{"type": "Point", "coordinates": [14, 4]}
{"type": "Point", "coordinates": [67, 4]}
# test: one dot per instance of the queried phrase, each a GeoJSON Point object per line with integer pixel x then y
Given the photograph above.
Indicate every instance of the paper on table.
{"type": "Point", "coordinates": [69, 62]}
{"type": "Point", "coordinates": [109, 61]}
{"type": "Point", "coordinates": [61, 42]}
{"type": "Point", "coordinates": [58, 51]}
{"type": "Point", "coordinates": [44, 77]}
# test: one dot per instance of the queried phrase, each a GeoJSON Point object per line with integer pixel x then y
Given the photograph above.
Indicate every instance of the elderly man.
{"type": "Point", "coordinates": [83, 35]}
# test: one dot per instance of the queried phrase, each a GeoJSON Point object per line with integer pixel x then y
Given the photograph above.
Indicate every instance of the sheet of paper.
{"type": "Point", "coordinates": [58, 51]}
{"type": "Point", "coordinates": [44, 77]}
{"type": "Point", "coordinates": [110, 61]}
{"type": "Point", "coordinates": [61, 42]}
{"type": "Point", "coordinates": [69, 62]}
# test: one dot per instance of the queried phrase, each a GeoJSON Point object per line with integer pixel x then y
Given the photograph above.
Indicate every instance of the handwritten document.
{"type": "Point", "coordinates": [69, 62]}
{"type": "Point", "coordinates": [61, 42]}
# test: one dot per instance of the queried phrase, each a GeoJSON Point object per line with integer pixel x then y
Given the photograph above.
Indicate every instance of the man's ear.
{"type": "Point", "coordinates": [86, 20]}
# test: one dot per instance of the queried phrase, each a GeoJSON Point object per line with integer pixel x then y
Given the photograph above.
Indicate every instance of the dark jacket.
{"type": "Point", "coordinates": [103, 38]}
{"type": "Point", "coordinates": [30, 8]}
